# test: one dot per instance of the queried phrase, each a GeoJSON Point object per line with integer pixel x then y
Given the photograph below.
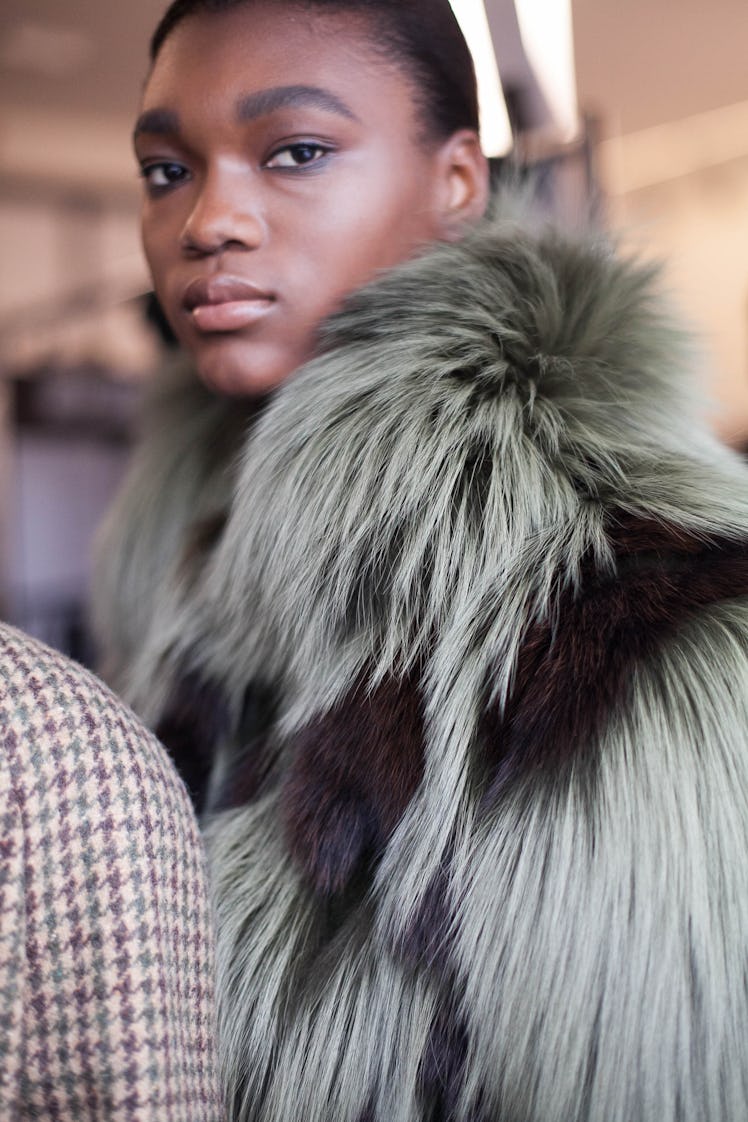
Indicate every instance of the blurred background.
{"type": "Point", "coordinates": [634, 112]}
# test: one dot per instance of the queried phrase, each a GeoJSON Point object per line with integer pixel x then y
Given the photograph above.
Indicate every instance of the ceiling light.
{"type": "Point", "coordinates": [496, 133]}
{"type": "Point", "coordinates": [546, 30]}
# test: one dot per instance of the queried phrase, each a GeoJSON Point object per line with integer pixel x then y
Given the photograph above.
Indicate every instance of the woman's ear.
{"type": "Point", "coordinates": [463, 181]}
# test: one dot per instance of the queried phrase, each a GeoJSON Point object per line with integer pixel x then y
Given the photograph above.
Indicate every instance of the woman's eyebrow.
{"type": "Point", "coordinates": [162, 122]}
{"type": "Point", "coordinates": [165, 122]}
{"type": "Point", "coordinates": [280, 97]}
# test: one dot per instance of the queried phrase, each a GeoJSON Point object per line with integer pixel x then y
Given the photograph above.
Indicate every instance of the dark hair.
{"type": "Point", "coordinates": [423, 36]}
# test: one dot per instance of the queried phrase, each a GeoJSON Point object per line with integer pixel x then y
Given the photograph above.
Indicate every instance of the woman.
{"type": "Point", "coordinates": [448, 591]}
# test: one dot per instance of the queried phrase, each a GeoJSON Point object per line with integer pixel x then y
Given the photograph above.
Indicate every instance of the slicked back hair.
{"type": "Point", "coordinates": [422, 36]}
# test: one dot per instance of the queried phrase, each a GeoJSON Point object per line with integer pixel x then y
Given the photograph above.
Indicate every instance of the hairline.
{"type": "Point", "coordinates": [429, 133]}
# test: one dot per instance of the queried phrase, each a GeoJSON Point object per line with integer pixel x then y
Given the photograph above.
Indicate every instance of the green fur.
{"type": "Point", "coordinates": [183, 473]}
{"type": "Point", "coordinates": [415, 496]}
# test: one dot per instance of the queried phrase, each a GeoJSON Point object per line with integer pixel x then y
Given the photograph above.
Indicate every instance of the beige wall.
{"type": "Point", "coordinates": [696, 221]}
{"type": "Point", "coordinates": [70, 264]}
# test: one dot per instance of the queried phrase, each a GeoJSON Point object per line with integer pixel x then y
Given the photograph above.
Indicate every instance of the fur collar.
{"type": "Point", "coordinates": [473, 420]}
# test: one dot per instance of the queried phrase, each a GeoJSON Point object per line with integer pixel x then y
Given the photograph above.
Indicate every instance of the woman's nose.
{"type": "Point", "coordinates": [225, 215]}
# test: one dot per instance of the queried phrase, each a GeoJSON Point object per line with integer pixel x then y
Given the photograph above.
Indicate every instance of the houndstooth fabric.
{"type": "Point", "coordinates": [106, 953]}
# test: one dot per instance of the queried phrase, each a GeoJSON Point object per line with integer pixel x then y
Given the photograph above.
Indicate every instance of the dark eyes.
{"type": "Point", "coordinates": [161, 176]}
{"type": "Point", "coordinates": [297, 155]}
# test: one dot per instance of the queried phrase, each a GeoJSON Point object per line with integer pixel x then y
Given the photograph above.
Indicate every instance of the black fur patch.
{"type": "Point", "coordinates": [203, 539]}
{"type": "Point", "coordinates": [575, 670]}
{"type": "Point", "coordinates": [194, 720]}
{"type": "Point", "coordinates": [197, 719]}
{"type": "Point", "coordinates": [442, 1071]}
{"type": "Point", "coordinates": [354, 772]}
{"type": "Point", "coordinates": [251, 761]}
{"type": "Point", "coordinates": [426, 941]}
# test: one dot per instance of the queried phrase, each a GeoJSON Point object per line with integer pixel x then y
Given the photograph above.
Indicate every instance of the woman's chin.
{"type": "Point", "coordinates": [233, 368]}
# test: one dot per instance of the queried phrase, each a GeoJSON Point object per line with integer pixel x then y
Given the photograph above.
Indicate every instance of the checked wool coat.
{"type": "Point", "coordinates": [107, 1010]}
{"type": "Point", "coordinates": [454, 634]}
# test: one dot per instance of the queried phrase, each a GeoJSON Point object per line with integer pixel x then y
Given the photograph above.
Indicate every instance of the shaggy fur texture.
{"type": "Point", "coordinates": [490, 865]}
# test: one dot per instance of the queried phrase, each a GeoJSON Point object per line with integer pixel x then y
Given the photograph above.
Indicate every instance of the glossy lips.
{"type": "Point", "coordinates": [225, 303]}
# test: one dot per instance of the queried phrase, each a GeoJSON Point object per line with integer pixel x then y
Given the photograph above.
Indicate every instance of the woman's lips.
{"type": "Point", "coordinates": [225, 303]}
{"type": "Point", "coordinates": [230, 315]}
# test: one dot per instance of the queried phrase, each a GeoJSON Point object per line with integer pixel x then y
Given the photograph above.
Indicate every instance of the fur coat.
{"type": "Point", "coordinates": [459, 623]}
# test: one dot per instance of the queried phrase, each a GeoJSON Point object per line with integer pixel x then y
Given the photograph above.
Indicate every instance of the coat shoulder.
{"type": "Point", "coordinates": [98, 833]}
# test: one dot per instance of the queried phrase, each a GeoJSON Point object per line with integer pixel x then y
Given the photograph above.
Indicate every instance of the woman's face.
{"type": "Point", "coordinates": [283, 169]}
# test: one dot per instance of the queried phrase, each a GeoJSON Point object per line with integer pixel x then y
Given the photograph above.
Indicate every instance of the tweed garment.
{"type": "Point", "coordinates": [106, 948]}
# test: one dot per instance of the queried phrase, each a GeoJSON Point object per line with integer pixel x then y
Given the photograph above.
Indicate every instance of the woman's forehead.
{"type": "Point", "coordinates": [254, 59]}
{"type": "Point", "coordinates": [247, 34]}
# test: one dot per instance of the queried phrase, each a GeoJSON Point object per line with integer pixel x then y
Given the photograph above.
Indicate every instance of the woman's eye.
{"type": "Point", "coordinates": [297, 155]}
{"type": "Point", "coordinates": [159, 176]}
